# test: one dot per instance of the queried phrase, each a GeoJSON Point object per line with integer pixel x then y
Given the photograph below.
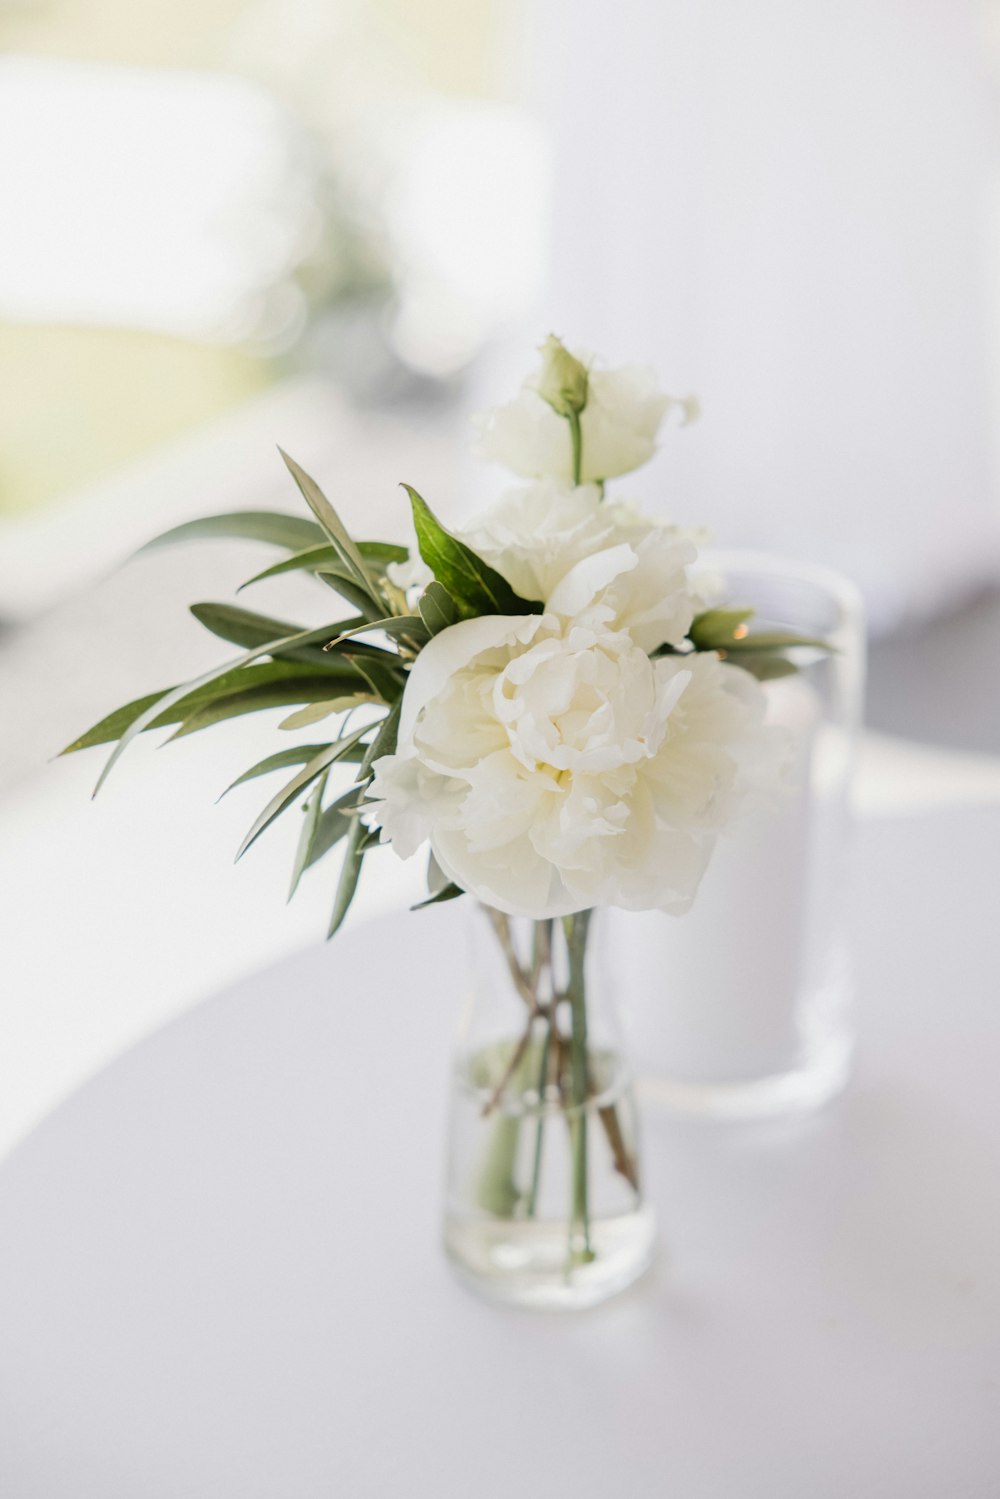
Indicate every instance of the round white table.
{"type": "Point", "coordinates": [220, 1275]}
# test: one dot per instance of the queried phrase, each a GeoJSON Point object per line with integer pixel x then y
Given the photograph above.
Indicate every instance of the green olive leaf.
{"type": "Point", "coordinates": [475, 587]}
{"type": "Point", "coordinates": [271, 526]}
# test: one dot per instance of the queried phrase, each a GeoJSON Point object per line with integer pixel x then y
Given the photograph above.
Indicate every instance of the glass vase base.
{"type": "Point", "coordinates": [799, 1091]}
{"type": "Point", "coordinates": [525, 1263]}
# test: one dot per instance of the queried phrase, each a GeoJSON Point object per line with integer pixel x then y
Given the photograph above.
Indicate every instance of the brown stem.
{"type": "Point", "coordinates": [501, 926]}
{"type": "Point", "coordinates": [516, 1057]}
{"type": "Point", "coordinates": [623, 1161]}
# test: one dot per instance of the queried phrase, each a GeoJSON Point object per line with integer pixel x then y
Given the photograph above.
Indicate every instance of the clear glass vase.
{"type": "Point", "coordinates": [544, 1200]}
{"type": "Point", "coordinates": [742, 1008]}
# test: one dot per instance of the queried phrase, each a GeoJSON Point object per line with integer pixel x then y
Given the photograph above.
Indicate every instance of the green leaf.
{"type": "Point", "coordinates": [147, 716]}
{"type": "Point", "coordinates": [114, 724]}
{"type": "Point", "coordinates": [437, 608]}
{"type": "Point", "coordinates": [334, 823]}
{"type": "Point", "coordinates": [475, 587]}
{"type": "Point", "coordinates": [244, 627]}
{"type": "Point", "coordinates": [298, 754]}
{"type": "Point", "coordinates": [331, 524]}
{"type": "Point", "coordinates": [450, 892]}
{"type": "Point", "coordinates": [341, 650]}
{"type": "Point", "coordinates": [778, 640]}
{"type": "Point", "coordinates": [398, 626]}
{"type": "Point", "coordinates": [368, 606]}
{"type": "Point", "coordinates": [271, 526]}
{"type": "Point", "coordinates": [309, 560]}
{"type": "Point", "coordinates": [350, 873]}
{"type": "Point", "coordinates": [714, 629]}
{"type": "Point", "coordinates": [384, 742]}
{"type": "Point", "coordinates": [325, 708]}
{"type": "Point", "coordinates": [384, 681]}
{"type": "Point", "coordinates": [239, 679]}
{"type": "Point", "coordinates": [380, 553]}
{"type": "Point", "coordinates": [308, 689]}
{"type": "Point", "coordinates": [307, 837]}
{"type": "Point", "coordinates": [309, 772]}
{"type": "Point", "coordinates": [766, 667]}
{"type": "Point", "coordinates": [377, 554]}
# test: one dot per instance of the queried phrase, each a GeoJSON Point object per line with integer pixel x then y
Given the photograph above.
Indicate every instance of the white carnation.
{"type": "Point", "coordinates": [536, 534]}
{"type": "Point", "coordinates": [618, 425]}
{"type": "Point", "coordinates": [553, 766]}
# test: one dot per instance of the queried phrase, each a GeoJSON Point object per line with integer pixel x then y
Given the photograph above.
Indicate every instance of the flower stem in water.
{"type": "Point", "coordinates": [581, 1251]}
{"type": "Point", "coordinates": [541, 961]}
{"type": "Point", "coordinates": [543, 1075]}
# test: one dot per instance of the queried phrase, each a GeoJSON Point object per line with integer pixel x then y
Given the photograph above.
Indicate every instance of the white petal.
{"type": "Point", "coordinates": [514, 880]}
{"type": "Point", "coordinates": [584, 582]}
{"type": "Point", "coordinates": [452, 649]}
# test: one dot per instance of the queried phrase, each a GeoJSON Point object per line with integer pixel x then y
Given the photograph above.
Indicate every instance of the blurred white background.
{"type": "Point", "coordinates": [342, 227]}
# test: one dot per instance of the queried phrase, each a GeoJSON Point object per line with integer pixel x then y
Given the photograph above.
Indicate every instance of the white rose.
{"type": "Point", "coordinates": [618, 426]}
{"type": "Point", "coordinates": [553, 766]}
{"type": "Point", "coordinates": [536, 534]}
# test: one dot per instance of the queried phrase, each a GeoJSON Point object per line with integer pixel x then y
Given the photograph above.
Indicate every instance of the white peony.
{"type": "Point", "coordinates": [618, 425]}
{"type": "Point", "coordinates": [410, 577]}
{"type": "Point", "coordinates": [553, 766]}
{"type": "Point", "coordinates": [536, 534]}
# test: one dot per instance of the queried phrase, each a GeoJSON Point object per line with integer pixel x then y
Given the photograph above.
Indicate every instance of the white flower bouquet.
{"type": "Point", "coordinates": [542, 700]}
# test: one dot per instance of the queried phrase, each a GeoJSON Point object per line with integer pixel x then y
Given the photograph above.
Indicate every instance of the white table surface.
{"type": "Point", "coordinates": [219, 1272]}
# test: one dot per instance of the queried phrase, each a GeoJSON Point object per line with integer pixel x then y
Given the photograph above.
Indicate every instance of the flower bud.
{"type": "Point", "coordinates": [563, 379]}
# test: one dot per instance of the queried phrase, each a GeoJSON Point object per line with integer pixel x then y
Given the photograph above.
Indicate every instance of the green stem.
{"type": "Point", "coordinates": [543, 1075]}
{"type": "Point", "coordinates": [541, 959]}
{"type": "Point", "coordinates": [576, 939]}
{"type": "Point", "coordinates": [576, 437]}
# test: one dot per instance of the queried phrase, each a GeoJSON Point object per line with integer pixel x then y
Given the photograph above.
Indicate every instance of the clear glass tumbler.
{"type": "Point", "coordinates": [741, 1008]}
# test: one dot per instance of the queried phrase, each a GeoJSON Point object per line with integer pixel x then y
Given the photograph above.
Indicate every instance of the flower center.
{"type": "Point", "coordinates": [572, 705]}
